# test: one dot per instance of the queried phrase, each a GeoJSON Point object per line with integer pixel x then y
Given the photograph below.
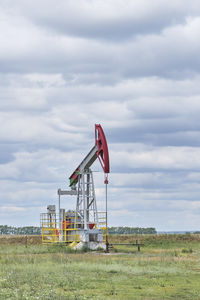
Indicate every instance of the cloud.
{"type": "Point", "coordinates": [5, 209]}
{"type": "Point", "coordinates": [133, 67]}
{"type": "Point", "coordinates": [167, 52]}
{"type": "Point", "coordinates": [116, 20]}
{"type": "Point", "coordinates": [165, 158]}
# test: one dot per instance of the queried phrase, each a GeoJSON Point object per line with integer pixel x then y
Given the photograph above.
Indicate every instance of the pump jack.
{"type": "Point", "coordinates": [85, 224]}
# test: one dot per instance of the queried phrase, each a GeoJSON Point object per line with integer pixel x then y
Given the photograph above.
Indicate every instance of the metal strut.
{"type": "Point", "coordinates": [86, 206]}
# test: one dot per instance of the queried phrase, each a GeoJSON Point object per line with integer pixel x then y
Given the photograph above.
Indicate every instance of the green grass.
{"type": "Point", "coordinates": [166, 268]}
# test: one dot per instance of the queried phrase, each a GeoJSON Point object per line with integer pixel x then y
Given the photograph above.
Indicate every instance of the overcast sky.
{"type": "Point", "coordinates": [131, 65]}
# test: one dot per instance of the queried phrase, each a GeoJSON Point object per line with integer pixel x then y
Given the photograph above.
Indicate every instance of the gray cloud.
{"type": "Point", "coordinates": [170, 53]}
{"type": "Point", "coordinates": [132, 66]}
{"type": "Point", "coordinates": [112, 20]}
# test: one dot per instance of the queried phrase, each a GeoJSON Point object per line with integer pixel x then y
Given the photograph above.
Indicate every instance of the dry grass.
{"type": "Point", "coordinates": [20, 239]}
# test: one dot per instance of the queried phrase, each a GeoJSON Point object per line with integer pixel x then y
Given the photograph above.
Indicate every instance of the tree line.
{"type": "Point", "coordinates": [131, 230]}
{"type": "Point", "coordinates": [4, 229]}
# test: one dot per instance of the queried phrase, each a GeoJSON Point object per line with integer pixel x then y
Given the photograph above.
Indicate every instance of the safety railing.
{"type": "Point", "coordinates": [54, 231]}
{"type": "Point", "coordinates": [67, 231]}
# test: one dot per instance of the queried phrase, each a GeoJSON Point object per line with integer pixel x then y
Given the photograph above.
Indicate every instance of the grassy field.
{"type": "Point", "coordinates": [168, 267]}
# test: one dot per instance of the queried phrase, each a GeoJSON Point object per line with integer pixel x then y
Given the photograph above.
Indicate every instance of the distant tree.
{"type": "Point", "coordinates": [131, 230]}
{"type": "Point", "coordinates": [28, 230]}
{"type": "Point", "coordinates": [4, 229]}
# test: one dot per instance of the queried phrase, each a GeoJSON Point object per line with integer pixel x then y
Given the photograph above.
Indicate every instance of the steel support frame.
{"type": "Point", "coordinates": [86, 207]}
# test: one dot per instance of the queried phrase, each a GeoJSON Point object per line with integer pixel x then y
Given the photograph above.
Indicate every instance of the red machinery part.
{"type": "Point", "coordinates": [91, 225]}
{"type": "Point", "coordinates": [102, 153]}
{"type": "Point", "coordinates": [74, 177]}
{"type": "Point", "coordinates": [65, 224]}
